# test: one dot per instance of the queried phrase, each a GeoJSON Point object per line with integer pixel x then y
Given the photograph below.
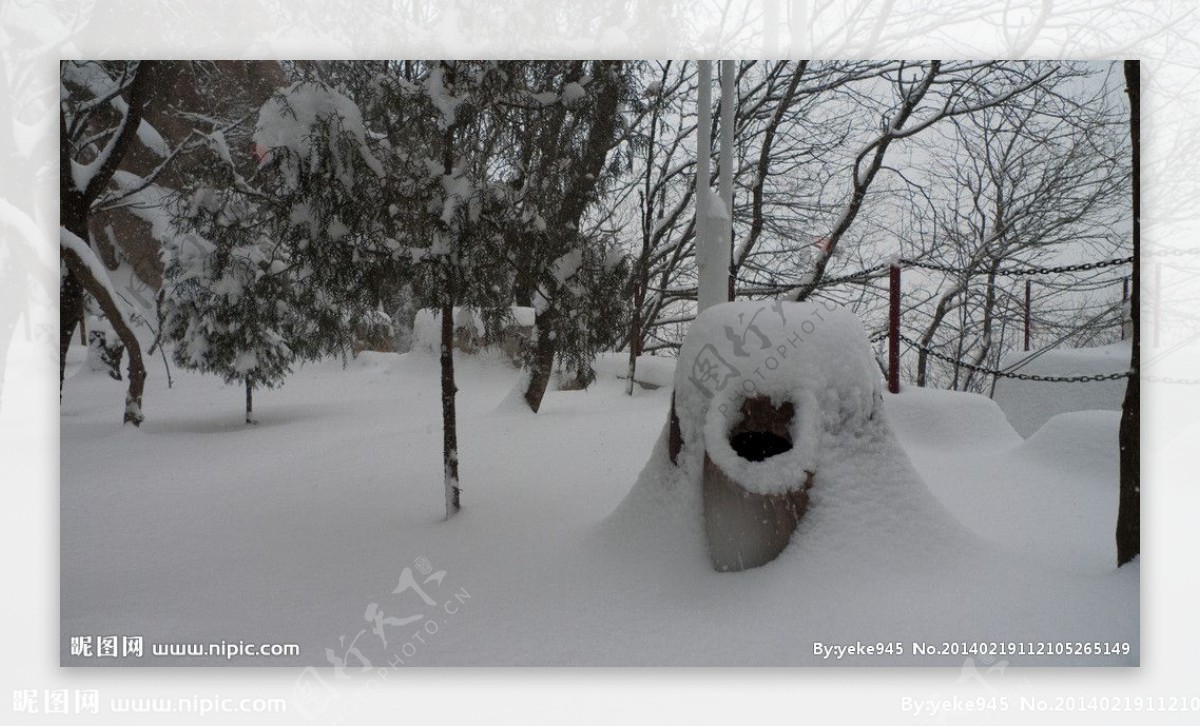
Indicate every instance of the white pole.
{"type": "Point", "coordinates": [712, 268]}
{"type": "Point", "coordinates": [726, 166]}
{"type": "Point", "coordinates": [704, 129]}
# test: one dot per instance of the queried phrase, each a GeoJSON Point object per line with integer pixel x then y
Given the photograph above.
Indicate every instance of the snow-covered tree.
{"type": "Point", "coordinates": [230, 306]}
{"type": "Point", "coordinates": [392, 191]}
{"type": "Point", "coordinates": [591, 306]}
{"type": "Point", "coordinates": [100, 116]}
{"type": "Point", "coordinates": [573, 115]}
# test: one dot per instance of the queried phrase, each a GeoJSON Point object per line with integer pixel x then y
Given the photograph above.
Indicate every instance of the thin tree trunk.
{"type": "Point", "coordinates": [939, 314]}
{"type": "Point", "coordinates": [635, 337]}
{"type": "Point", "coordinates": [449, 389]}
{"type": "Point", "coordinates": [249, 401]}
{"type": "Point", "coordinates": [449, 423]}
{"type": "Point", "coordinates": [1129, 513]}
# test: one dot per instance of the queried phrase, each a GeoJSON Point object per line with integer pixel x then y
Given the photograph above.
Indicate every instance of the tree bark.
{"type": "Point", "coordinates": [543, 360]}
{"type": "Point", "coordinates": [1129, 513]}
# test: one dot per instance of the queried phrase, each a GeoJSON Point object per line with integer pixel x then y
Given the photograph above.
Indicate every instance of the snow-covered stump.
{"type": "Point", "coordinates": [758, 386]}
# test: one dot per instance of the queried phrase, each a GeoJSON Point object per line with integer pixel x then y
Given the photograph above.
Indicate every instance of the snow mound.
{"type": "Point", "coordinates": [1051, 497]}
{"type": "Point", "coordinates": [1030, 404]}
{"type": "Point", "coordinates": [867, 503]}
{"type": "Point", "coordinates": [652, 371]}
{"type": "Point", "coordinates": [949, 420]}
{"type": "Point", "coordinates": [1089, 438]}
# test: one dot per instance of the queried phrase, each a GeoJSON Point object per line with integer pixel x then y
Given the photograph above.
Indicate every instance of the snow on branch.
{"type": "Point", "coordinates": [72, 242]}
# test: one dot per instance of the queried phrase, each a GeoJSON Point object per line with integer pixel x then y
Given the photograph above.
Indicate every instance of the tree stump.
{"type": "Point", "coordinates": [747, 529]}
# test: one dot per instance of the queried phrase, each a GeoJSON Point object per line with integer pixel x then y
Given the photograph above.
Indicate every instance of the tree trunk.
{"type": "Point", "coordinates": [580, 192]}
{"type": "Point", "coordinates": [74, 208]}
{"type": "Point", "coordinates": [249, 401]}
{"type": "Point", "coordinates": [635, 341]}
{"type": "Point", "coordinates": [449, 416]}
{"type": "Point", "coordinates": [543, 360]}
{"type": "Point", "coordinates": [939, 314]}
{"type": "Point", "coordinates": [137, 372]}
{"type": "Point", "coordinates": [1129, 513]}
{"type": "Point", "coordinates": [70, 309]}
{"type": "Point", "coordinates": [449, 424]}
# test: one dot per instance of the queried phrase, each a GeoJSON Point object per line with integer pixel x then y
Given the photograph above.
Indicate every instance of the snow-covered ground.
{"type": "Point", "coordinates": [199, 528]}
{"type": "Point", "coordinates": [1030, 404]}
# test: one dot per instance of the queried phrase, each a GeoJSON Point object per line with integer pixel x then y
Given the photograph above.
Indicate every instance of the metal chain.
{"type": "Point", "coordinates": [1010, 375]}
{"type": "Point", "coordinates": [1009, 272]}
{"type": "Point", "coordinates": [1022, 272]}
{"type": "Point", "coordinates": [855, 277]}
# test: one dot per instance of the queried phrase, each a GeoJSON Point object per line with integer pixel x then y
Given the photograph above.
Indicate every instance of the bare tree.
{"type": "Point", "coordinates": [1024, 183]}
{"type": "Point", "coordinates": [1129, 513]}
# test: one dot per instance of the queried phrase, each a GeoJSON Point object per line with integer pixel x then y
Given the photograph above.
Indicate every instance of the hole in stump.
{"type": "Point", "coordinates": [757, 446]}
{"type": "Point", "coordinates": [764, 429]}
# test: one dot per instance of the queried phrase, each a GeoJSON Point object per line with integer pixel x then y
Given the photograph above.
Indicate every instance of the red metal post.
{"type": "Point", "coordinates": [1027, 314]}
{"type": "Point", "coordinates": [894, 332]}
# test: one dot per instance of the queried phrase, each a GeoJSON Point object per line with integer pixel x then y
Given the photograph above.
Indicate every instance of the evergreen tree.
{"type": "Point", "coordinates": [228, 304]}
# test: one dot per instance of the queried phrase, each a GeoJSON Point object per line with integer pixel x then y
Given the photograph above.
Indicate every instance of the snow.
{"type": "Point", "coordinates": [72, 242]}
{"type": "Point", "coordinates": [572, 92]}
{"type": "Point", "coordinates": [1030, 404]}
{"type": "Point", "coordinates": [567, 265]}
{"type": "Point", "coordinates": [441, 97]}
{"type": "Point", "coordinates": [931, 522]}
{"type": "Point", "coordinates": [812, 355]}
{"type": "Point", "coordinates": [152, 140]}
{"type": "Point", "coordinates": [457, 189]}
{"type": "Point", "coordinates": [523, 315]}
{"type": "Point", "coordinates": [287, 120]}
{"type": "Point", "coordinates": [991, 478]}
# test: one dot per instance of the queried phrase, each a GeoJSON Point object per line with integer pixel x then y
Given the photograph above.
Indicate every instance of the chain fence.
{"type": "Point", "coordinates": [1003, 374]}
{"type": "Point", "coordinates": [1012, 272]}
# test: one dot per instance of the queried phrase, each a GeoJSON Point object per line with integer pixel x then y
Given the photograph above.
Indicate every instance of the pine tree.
{"type": "Point", "coordinates": [229, 306]}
